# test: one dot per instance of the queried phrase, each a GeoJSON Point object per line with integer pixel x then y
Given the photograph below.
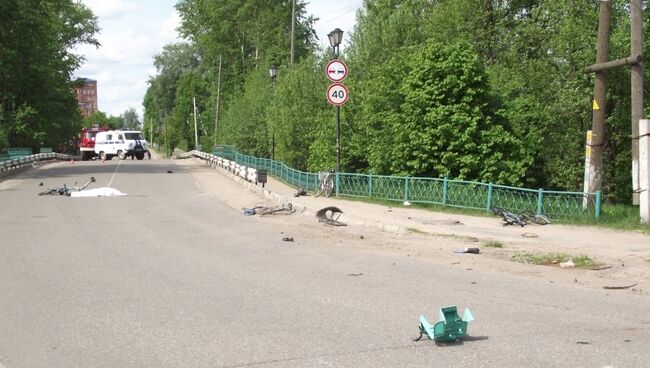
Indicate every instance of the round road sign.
{"type": "Point", "coordinates": [336, 70]}
{"type": "Point", "coordinates": [337, 94]}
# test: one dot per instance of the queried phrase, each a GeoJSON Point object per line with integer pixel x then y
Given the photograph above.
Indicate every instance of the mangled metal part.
{"type": "Point", "coordinates": [66, 190]}
{"type": "Point", "coordinates": [285, 208]}
{"type": "Point", "coordinates": [330, 216]}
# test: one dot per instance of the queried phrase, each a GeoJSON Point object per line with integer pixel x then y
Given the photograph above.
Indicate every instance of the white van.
{"type": "Point", "coordinates": [121, 143]}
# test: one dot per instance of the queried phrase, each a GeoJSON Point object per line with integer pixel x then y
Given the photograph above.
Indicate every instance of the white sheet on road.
{"type": "Point", "coordinates": [98, 192]}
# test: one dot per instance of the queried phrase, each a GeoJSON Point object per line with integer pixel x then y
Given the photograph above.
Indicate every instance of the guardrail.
{"type": "Point", "coordinates": [248, 173]}
{"type": "Point", "coordinates": [438, 191]}
{"type": "Point", "coordinates": [6, 166]}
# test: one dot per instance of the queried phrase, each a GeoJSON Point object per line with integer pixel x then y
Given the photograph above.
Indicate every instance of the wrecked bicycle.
{"type": "Point", "coordinates": [66, 190]}
{"type": "Point", "coordinates": [285, 208]}
{"type": "Point", "coordinates": [325, 183]}
{"type": "Point", "coordinates": [522, 219]}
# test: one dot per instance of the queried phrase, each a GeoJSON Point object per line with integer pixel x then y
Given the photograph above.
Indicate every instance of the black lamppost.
{"type": "Point", "coordinates": [335, 38]}
{"type": "Point", "coordinates": [273, 72]}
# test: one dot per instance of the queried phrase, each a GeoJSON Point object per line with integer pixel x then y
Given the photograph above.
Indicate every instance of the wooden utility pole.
{"type": "Point", "coordinates": [196, 132]}
{"type": "Point", "coordinates": [594, 161]}
{"type": "Point", "coordinates": [293, 30]}
{"type": "Point", "coordinates": [216, 117]}
{"type": "Point", "coordinates": [637, 93]}
{"type": "Point", "coordinates": [594, 170]}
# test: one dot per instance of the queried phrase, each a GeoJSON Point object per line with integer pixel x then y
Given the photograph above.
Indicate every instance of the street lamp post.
{"type": "Point", "coordinates": [273, 72]}
{"type": "Point", "coordinates": [335, 38]}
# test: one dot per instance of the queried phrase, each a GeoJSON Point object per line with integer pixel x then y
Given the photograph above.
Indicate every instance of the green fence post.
{"type": "Point", "coordinates": [489, 198]}
{"type": "Point", "coordinates": [337, 183]}
{"type": "Point", "coordinates": [445, 187]}
{"type": "Point", "coordinates": [406, 189]}
{"type": "Point", "coordinates": [599, 197]}
{"type": "Point", "coordinates": [370, 185]}
{"type": "Point", "coordinates": [540, 201]}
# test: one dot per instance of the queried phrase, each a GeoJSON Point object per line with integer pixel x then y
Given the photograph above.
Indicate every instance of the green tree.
{"type": "Point", "coordinates": [38, 107]}
{"type": "Point", "coordinates": [101, 119]}
{"type": "Point", "coordinates": [130, 119]}
{"type": "Point", "coordinates": [295, 116]}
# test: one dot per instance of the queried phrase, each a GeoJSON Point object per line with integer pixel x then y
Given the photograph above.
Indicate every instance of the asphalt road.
{"type": "Point", "coordinates": [171, 277]}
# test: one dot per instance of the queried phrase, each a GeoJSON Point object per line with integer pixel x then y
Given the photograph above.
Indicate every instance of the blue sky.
{"type": "Point", "coordinates": [133, 31]}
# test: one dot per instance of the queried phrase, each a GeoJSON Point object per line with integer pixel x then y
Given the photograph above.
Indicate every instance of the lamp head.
{"type": "Point", "coordinates": [335, 37]}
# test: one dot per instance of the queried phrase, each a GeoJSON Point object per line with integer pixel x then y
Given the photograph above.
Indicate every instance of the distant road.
{"type": "Point", "coordinates": [169, 276]}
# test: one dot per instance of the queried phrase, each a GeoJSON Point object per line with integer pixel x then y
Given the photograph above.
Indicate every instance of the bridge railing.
{"type": "Point", "coordinates": [437, 191]}
{"type": "Point", "coordinates": [10, 164]}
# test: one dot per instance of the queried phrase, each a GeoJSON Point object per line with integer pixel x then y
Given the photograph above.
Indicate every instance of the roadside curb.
{"type": "Point", "coordinates": [304, 210]}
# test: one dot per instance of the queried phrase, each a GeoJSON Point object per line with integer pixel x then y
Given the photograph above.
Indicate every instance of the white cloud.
{"type": "Point", "coordinates": [110, 9]}
{"type": "Point", "coordinates": [334, 14]}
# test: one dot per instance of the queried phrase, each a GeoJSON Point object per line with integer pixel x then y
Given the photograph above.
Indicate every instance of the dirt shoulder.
{"type": "Point", "coordinates": [433, 236]}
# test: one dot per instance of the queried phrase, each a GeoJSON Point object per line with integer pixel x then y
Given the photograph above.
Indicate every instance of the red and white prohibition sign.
{"type": "Point", "coordinates": [336, 70]}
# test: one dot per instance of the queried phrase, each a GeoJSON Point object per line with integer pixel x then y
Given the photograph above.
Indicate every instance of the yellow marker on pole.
{"type": "Point", "coordinates": [596, 106]}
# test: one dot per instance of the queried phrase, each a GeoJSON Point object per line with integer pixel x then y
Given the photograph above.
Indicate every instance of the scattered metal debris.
{"type": "Point", "coordinates": [330, 216]}
{"type": "Point", "coordinates": [355, 274]}
{"type": "Point", "coordinates": [285, 208]}
{"type": "Point", "coordinates": [601, 268]}
{"type": "Point", "coordinates": [468, 250]}
{"type": "Point", "coordinates": [450, 327]}
{"type": "Point", "coordinates": [618, 287]}
{"type": "Point", "coordinates": [300, 192]}
{"type": "Point", "coordinates": [287, 239]}
{"type": "Point", "coordinates": [529, 235]}
{"type": "Point", "coordinates": [65, 189]}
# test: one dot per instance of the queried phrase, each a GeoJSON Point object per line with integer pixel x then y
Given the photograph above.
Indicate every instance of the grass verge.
{"type": "Point", "coordinates": [493, 244]}
{"type": "Point", "coordinates": [553, 259]}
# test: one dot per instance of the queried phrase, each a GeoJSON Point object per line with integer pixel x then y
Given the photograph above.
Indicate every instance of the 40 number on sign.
{"type": "Point", "coordinates": [337, 94]}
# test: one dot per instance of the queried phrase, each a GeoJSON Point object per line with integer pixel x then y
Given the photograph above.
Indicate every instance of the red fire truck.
{"type": "Point", "coordinates": [87, 142]}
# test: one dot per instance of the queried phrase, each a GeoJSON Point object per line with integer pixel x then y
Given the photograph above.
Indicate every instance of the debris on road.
{"type": "Point", "coordinates": [65, 189]}
{"type": "Point", "coordinates": [619, 287]}
{"type": "Point", "coordinates": [568, 264]}
{"type": "Point", "coordinates": [285, 208]}
{"type": "Point", "coordinates": [355, 274]}
{"type": "Point", "coordinates": [287, 239]}
{"type": "Point", "coordinates": [330, 216]}
{"type": "Point", "coordinates": [450, 327]}
{"type": "Point", "coordinates": [468, 250]}
{"type": "Point", "coordinates": [601, 268]}
{"type": "Point", "coordinates": [300, 192]}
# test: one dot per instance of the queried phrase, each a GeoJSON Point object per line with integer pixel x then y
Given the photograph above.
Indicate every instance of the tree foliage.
{"type": "Point", "coordinates": [487, 90]}
{"type": "Point", "coordinates": [37, 103]}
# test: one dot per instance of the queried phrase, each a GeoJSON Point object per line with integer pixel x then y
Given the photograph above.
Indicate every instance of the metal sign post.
{"type": "Point", "coordinates": [337, 95]}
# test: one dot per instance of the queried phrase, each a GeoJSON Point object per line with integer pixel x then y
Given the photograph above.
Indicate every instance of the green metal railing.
{"type": "Point", "coordinates": [438, 191]}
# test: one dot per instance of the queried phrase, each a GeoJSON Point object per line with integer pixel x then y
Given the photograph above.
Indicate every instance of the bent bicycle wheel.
{"type": "Point", "coordinates": [319, 190]}
{"type": "Point", "coordinates": [329, 186]}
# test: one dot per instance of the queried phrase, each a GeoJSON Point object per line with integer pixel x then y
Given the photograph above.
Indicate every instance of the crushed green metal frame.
{"type": "Point", "coordinates": [450, 327]}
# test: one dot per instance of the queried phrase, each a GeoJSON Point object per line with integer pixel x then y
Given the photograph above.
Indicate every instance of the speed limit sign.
{"type": "Point", "coordinates": [337, 94]}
